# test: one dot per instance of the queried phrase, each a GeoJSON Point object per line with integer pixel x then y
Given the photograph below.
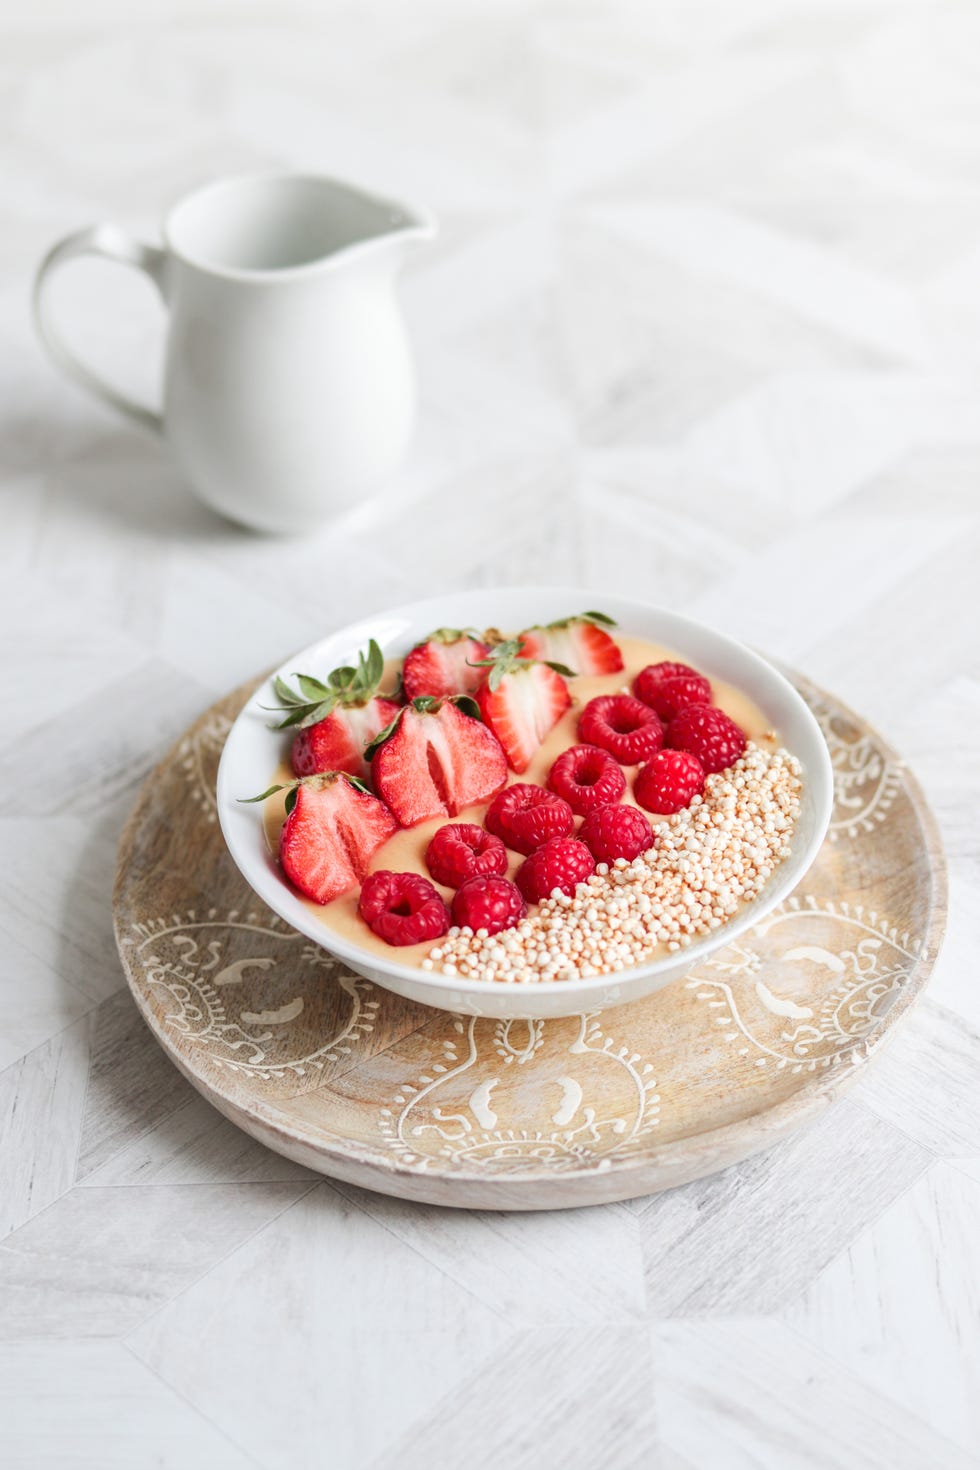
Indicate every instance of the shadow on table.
{"type": "Point", "coordinates": [115, 477]}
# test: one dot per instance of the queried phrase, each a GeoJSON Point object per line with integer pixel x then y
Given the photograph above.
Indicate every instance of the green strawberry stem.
{"type": "Point", "coordinates": [425, 704]}
{"type": "Point", "coordinates": [505, 659]}
{"type": "Point", "coordinates": [347, 687]}
{"type": "Point", "coordinates": [449, 635]}
{"type": "Point", "coordinates": [318, 781]}
{"type": "Point", "coordinates": [602, 620]}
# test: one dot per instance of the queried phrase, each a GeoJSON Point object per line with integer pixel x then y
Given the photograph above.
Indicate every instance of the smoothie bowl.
{"type": "Point", "coordinates": [496, 803]}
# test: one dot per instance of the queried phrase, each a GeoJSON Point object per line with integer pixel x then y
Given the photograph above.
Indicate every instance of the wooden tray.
{"type": "Point", "coordinates": [330, 1070]}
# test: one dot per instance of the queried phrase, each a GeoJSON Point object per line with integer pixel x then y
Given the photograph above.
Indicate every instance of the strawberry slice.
{"type": "Point", "coordinates": [522, 700]}
{"type": "Point", "coordinates": [580, 643]}
{"type": "Point", "coordinates": [336, 719]}
{"type": "Point", "coordinates": [435, 760]}
{"type": "Point", "coordinates": [441, 665]}
{"type": "Point", "coordinates": [333, 829]}
{"type": "Point", "coordinates": [338, 742]}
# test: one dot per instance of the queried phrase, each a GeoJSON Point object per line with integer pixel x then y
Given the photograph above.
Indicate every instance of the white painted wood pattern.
{"type": "Point", "coordinates": [367, 1087]}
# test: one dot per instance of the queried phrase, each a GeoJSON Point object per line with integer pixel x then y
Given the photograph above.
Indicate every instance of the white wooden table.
{"type": "Point", "coordinates": [703, 325]}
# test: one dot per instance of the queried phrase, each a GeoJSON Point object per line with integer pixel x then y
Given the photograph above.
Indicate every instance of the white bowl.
{"type": "Point", "coordinates": [253, 751]}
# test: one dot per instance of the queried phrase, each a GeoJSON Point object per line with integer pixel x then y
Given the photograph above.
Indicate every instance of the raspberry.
{"type": "Point", "coordinates": [402, 908]}
{"type": "Point", "coordinates": [587, 777]}
{"type": "Point", "coordinates": [629, 729]}
{"type": "Point", "coordinates": [709, 734]}
{"type": "Point", "coordinates": [654, 674]}
{"type": "Point", "coordinates": [560, 863]}
{"type": "Point", "coordinates": [669, 781]}
{"type": "Point", "coordinates": [669, 687]}
{"type": "Point", "coordinates": [525, 816]}
{"type": "Point", "coordinates": [488, 902]}
{"type": "Point", "coordinates": [462, 850]}
{"type": "Point", "coordinates": [612, 832]}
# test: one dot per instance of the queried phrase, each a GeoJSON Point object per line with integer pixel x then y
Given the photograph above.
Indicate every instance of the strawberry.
{"type": "Point", "coordinates": [611, 832]}
{"type": "Point", "coordinates": [333, 828]}
{"type": "Point", "coordinates": [562, 863]}
{"type": "Point", "coordinates": [442, 665]}
{"type": "Point", "coordinates": [402, 908]}
{"type": "Point", "coordinates": [434, 759]}
{"type": "Point", "coordinates": [461, 850]}
{"type": "Point", "coordinates": [629, 729]}
{"type": "Point", "coordinates": [581, 643]}
{"type": "Point", "coordinates": [338, 742]}
{"type": "Point", "coordinates": [669, 687]}
{"type": "Point", "coordinates": [338, 719]}
{"type": "Point", "coordinates": [708, 733]}
{"type": "Point", "coordinates": [669, 782]}
{"type": "Point", "coordinates": [587, 777]}
{"type": "Point", "coordinates": [488, 902]}
{"type": "Point", "coordinates": [522, 700]}
{"type": "Point", "coordinates": [524, 816]}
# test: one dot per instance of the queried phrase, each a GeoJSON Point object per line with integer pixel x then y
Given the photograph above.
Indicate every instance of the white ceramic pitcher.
{"type": "Point", "coordinates": [289, 387]}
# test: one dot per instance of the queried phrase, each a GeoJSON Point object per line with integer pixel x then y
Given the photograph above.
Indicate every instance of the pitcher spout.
{"type": "Point", "coordinates": [375, 224]}
{"type": "Point", "coordinates": [272, 226]}
{"type": "Point", "coordinates": [408, 225]}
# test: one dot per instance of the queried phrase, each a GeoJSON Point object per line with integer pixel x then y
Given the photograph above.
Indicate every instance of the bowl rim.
{"type": "Point", "coordinates": [252, 859]}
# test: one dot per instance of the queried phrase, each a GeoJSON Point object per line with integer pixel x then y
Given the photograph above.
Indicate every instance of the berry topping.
{"type": "Point", "coordinates": [629, 729]}
{"type": "Point", "coordinates": [562, 863]}
{"type": "Point", "coordinates": [488, 902]}
{"type": "Point", "coordinates": [434, 760]}
{"type": "Point", "coordinates": [669, 687]}
{"type": "Point", "coordinates": [402, 908]}
{"type": "Point", "coordinates": [709, 734]}
{"type": "Point", "coordinates": [580, 643]}
{"type": "Point", "coordinates": [338, 742]}
{"type": "Point", "coordinates": [612, 832]}
{"type": "Point", "coordinates": [524, 816]}
{"type": "Point", "coordinates": [334, 826]}
{"type": "Point", "coordinates": [461, 850]}
{"type": "Point", "coordinates": [587, 777]}
{"type": "Point", "coordinates": [337, 719]}
{"type": "Point", "coordinates": [654, 674]}
{"type": "Point", "coordinates": [521, 701]}
{"type": "Point", "coordinates": [669, 781]}
{"type": "Point", "coordinates": [442, 665]}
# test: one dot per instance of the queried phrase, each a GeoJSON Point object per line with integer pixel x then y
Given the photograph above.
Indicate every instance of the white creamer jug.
{"type": "Point", "coordinates": [289, 385]}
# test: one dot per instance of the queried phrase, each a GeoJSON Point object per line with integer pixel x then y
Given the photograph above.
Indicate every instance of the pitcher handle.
{"type": "Point", "coordinates": [111, 243]}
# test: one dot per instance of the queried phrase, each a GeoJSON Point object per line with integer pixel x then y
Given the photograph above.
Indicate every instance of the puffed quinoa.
{"type": "Point", "coordinates": [709, 859]}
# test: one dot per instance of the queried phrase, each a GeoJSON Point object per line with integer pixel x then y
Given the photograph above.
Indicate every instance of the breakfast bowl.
{"type": "Point", "coordinates": [255, 750]}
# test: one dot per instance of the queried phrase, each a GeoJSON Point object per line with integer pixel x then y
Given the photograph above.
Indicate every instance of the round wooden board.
{"type": "Point", "coordinates": [333, 1071]}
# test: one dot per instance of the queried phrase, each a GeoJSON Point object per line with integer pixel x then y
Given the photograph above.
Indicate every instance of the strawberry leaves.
{"type": "Point", "coordinates": [600, 619]}
{"type": "Point", "coordinates": [505, 659]}
{"type": "Point", "coordinates": [347, 687]}
{"type": "Point", "coordinates": [449, 635]}
{"type": "Point", "coordinates": [425, 704]}
{"type": "Point", "coordinates": [318, 782]}
{"type": "Point", "coordinates": [371, 750]}
{"type": "Point", "coordinates": [467, 704]}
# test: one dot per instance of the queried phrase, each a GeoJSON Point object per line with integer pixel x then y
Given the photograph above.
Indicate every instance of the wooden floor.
{"type": "Point", "coordinates": [702, 326]}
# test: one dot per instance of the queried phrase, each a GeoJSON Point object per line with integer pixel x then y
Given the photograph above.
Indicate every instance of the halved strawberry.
{"type": "Point", "coordinates": [338, 742]}
{"type": "Point", "coordinates": [521, 701]}
{"type": "Point", "coordinates": [441, 665]}
{"type": "Point", "coordinates": [333, 829]}
{"type": "Point", "coordinates": [338, 719]}
{"type": "Point", "coordinates": [581, 643]}
{"type": "Point", "coordinates": [435, 760]}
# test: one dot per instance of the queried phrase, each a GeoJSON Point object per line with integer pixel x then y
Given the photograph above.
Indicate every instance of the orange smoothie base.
{"type": "Point", "coordinates": [405, 852]}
